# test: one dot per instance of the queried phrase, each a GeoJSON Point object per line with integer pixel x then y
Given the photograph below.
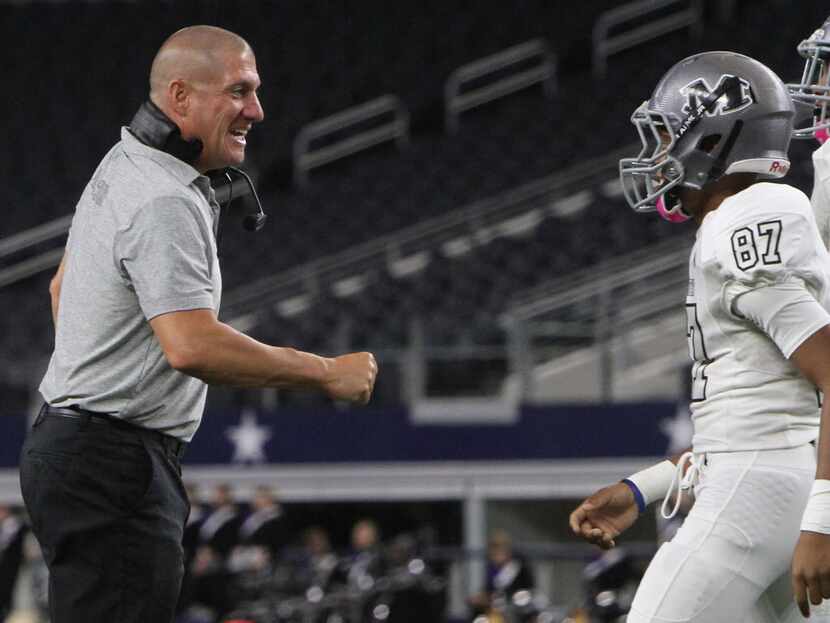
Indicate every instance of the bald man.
{"type": "Point", "coordinates": [137, 341]}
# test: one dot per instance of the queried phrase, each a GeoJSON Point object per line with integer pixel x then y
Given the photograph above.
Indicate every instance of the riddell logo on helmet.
{"type": "Point", "coordinates": [779, 168]}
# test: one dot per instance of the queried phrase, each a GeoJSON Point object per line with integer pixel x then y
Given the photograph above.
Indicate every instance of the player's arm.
{"type": "Point", "coordinates": [788, 313]}
{"type": "Point", "coordinates": [603, 516]}
{"type": "Point", "coordinates": [55, 289]}
{"type": "Point", "coordinates": [196, 343]}
{"type": "Point", "coordinates": [811, 560]}
{"type": "Point", "coordinates": [812, 358]}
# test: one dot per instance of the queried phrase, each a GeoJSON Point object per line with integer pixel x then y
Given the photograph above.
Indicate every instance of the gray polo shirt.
{"type": "Point", "coordinates": [142, 244]}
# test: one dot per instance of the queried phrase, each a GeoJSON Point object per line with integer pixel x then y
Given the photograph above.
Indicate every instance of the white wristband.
{"type": "Point", "coordinates": [816, 516]}
{"type": "Point", "coordinates": [654, 481]}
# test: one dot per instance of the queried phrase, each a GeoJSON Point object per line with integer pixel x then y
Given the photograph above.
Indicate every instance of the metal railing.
{"type": "Point", "coordinates": [687, 14]}
{"type": "Point", "coordinates": [27, 239]}
{"type": "Point", "coordinates": [307, 158]}
{"type": "Point", "coordinates": [32, 266]}
{"type": "Point", "coordinates": [532, 314]}
{"type": "Point", "coordinates": [58, 228]}
{"type": "Point", "coordinates": [609, 301]}
{"type": "Point", "coordinates": [35, 235]}
{"type": "Point", "coordinates": [468, 227]}
{"type": "Point", "coordinates": [586, 298]}
{"type": "Point", "coordinates": [640, 267]}
{"type": "Point", "coordinates": [456, 102]}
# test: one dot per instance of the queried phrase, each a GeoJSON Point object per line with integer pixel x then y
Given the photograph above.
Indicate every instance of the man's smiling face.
{"type": "Point", "coordinates": [222, 110]}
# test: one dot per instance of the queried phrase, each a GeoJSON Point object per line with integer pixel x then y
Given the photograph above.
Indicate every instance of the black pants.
{"type": "Point", "coordinates": [108, 507]}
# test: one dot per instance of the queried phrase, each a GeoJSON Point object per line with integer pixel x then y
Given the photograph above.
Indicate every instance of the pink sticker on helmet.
{"type": "Point", "coordinates": [672, 216]}
{"type": "Point", "coordinates": [822, 135]}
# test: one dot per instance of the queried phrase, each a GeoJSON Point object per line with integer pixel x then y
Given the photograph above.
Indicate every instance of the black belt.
{"type": "Point", "coordinates": [171, 444]}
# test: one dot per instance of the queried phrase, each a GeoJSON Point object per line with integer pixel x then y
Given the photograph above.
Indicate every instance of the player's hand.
{"type": "Point", "coordinates": [811, 570]}
{"type": "Point", "coordinates": [351, 377]}
{"type": "Point", "coordinates": [605, 515]}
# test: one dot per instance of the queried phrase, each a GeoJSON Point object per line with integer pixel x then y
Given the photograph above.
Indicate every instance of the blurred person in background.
{"type": "Point", "coordinates": [259, 540]}
{"type": "Point", "coordinates": [400, 551]}
{"type": "Point", "coordinates": [210, 589]}
{"type": "Point", "coordinates": [610, 584]}
{"type": "Point", "coordinates": [317, 561]}
{"type": "Point", "coordinates": [135, 302]}
{"type": "Point", "coordinates": [38, 580]}
{"type": "Point", "coordinates": [220, 529]}
{"type": "Point", "coordinates": [190, 543]}
{"type": "Point", "coordinates": [365, 560]}
{"type": "Point", "coordinates": [265, 525]}
{"type": "Point", "coordinates": [508, 573]}
{"type": "Point", "coordinates": [12, 538]}
{"type": "Point", "coordinates": [716, 127]}
{"type": "Point", "coordinates": [408, 592]}
{"type": "Point", "coordinates": [209, 574]}
{"type": "Point", "coordinates": [195, 519]}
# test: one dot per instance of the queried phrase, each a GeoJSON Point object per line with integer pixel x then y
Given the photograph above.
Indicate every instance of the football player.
{"type": "Point", "coordinates": [814, 91]}
{"type": "Point", "coordinates": [715, 130]}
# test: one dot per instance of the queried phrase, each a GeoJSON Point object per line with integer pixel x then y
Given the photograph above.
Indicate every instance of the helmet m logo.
{"type": "Point", "coordinates": [729, 95]}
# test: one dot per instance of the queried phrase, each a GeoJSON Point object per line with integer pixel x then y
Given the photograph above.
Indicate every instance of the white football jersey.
{"type": "Point", "coordinates": [746, 395]}
{"type": "Point", "coordinates": [821, 191]}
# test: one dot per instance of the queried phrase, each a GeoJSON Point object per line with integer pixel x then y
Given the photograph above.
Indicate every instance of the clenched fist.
{"type": "Point", "coordinates": [351, 377]}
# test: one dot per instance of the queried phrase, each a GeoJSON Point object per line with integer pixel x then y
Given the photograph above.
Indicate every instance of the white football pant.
{"type": "Point", "coordinates": [730, 561]}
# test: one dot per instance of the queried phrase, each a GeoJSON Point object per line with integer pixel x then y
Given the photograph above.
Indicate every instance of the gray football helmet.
{"type": "Point", "coordinates": [814, 89]}
{"type": "Point", "coordinates": [711, 115]}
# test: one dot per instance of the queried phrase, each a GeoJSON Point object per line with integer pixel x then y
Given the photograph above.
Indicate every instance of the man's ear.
{"type": "Point", "coordinates": [178, 93]}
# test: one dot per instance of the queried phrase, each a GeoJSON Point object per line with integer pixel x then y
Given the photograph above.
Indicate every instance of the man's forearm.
{"type": "Point", "coordinates": [196, 343]}
{"type": "Point", "coordinates": [55, 289]}
{"type": "Point", "coordinates": [55, 299]}
{"type": "Point", "coordinates": [224, 356]}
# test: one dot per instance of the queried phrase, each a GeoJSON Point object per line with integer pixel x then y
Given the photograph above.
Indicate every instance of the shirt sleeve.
{"type": "Point", "coordinates": [164, 255]}
{"type": "Point", "coordinates": [767, 250]}
{"type": "Point", "coordinates": [786, 311]}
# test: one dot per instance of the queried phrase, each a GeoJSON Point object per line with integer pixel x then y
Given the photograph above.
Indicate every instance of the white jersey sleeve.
{"type": "Point", "coordinates": [786, 311]}
{"type": "Point", "coordinates": [763, 248]}
{"type": "Point", "coordinates": [773, 271]}
{"type": "Point", "coordinates": [746, 394]}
